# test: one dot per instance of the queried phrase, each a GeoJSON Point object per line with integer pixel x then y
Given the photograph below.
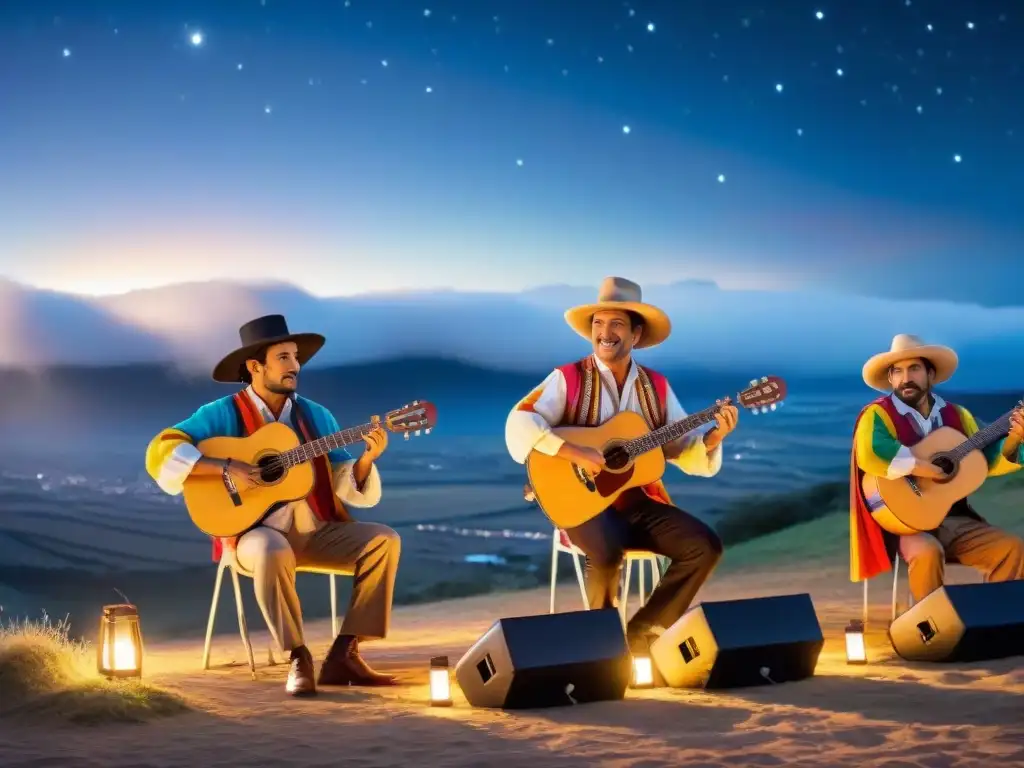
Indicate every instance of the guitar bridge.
{"type": "Point", "coordinates": [583, 477]}
{"type": "Point", "coordinates": [232, 489]}
{"type": "Point", "coordinates": [913, 485]}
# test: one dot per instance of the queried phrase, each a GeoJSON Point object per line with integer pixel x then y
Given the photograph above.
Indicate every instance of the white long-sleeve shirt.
{"type": "Point", "coordinates": [527, 430]}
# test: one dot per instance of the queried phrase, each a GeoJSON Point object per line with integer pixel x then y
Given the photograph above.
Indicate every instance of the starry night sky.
{"type": "Point", "coordinates": [870, 146]}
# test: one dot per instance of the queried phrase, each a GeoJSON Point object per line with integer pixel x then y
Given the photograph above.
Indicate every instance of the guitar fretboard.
{"type": "Point", "coordinates": [312, 449]}
{"type": "Point", "coordinates": [997, 430]}
{"type": "Point", "coordinates": [670, 432]}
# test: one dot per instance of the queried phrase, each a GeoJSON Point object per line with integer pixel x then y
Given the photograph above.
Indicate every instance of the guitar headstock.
{"type": "Point", "coordinates": [763, 394]}
{"type": "Point", "coordinates": [413, 418]}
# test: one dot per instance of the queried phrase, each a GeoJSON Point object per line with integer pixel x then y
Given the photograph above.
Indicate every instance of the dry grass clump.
{"type": "Point", "coordinates": [45, 673]}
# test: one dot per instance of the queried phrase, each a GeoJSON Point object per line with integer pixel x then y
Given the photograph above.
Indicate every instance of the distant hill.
{"type": "Point", "coordinates": [115, 397]}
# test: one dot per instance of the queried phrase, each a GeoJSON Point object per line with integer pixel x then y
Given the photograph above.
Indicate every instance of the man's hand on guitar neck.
{"type": "Point", "coordinates": [590, 459]}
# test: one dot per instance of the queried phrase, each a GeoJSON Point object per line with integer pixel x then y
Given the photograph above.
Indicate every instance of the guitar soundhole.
{"type": "Point", "coordinates": [271, 469]}
{"type": "Point", "coordinates": [946, 463]}
{"type": "Point", "coordinates": [616, 458]}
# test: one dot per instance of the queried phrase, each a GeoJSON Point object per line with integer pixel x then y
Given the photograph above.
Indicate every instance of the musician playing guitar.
{"type": "Point", "coordinates": [590, 392]}
{"type": "Point", "coordinates": [315, 531]}
{"type": "Point", "coordinates": [886, 431]}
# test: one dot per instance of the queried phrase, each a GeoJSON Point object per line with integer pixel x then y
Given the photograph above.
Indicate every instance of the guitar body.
{"type": "Point", "coordinates": [905, 512]}
{"type": "Point", "coordinates": [560, 487]}
{"type": "Point", "coordinates": [212, 506]}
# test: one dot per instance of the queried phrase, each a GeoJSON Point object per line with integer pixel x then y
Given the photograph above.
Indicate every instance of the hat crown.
{"type": "Point", "coordinates": [263, 328]}
{"type": "Point", "coordinates": [904, 342]}
{"type": "Point", "coordinates": [619, 289]}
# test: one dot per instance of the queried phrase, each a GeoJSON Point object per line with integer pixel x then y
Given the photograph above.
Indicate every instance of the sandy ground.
{"type": "Point", "coordinates": [887, 713]}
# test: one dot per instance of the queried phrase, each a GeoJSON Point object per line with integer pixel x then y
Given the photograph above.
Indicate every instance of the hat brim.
{"type": "Point", "coordinates": [876, 370]}
{"type": "Point", "coordinates": [227, 370]}
{"type": "Point", "coordinates": [657, 326]}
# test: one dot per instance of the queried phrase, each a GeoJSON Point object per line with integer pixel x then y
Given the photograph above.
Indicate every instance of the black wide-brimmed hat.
{"type": "Point", "coordinates": [264, 332]}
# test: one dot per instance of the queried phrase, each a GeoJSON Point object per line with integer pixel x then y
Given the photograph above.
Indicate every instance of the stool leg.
{"type": "Point", "coordinates": [334, 606]}
{"type": "Point", "coordinates": [213, 613]}
{"type": "Point", "coordinates": [242, 628]}
{"type": "Point", "coordinates": [554, 571]}
{"type": "Point", "coordinates": [581, 580]}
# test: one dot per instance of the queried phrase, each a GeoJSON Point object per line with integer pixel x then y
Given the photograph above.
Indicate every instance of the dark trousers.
{"type": "Point", "coordinates": [693, 548]}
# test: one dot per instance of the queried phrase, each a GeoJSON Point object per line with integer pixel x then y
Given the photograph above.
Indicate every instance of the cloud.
{"type": "Point", "coordinates": [757, 332]}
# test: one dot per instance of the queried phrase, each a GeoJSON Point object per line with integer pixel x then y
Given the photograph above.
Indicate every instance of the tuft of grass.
{"type": "Point", "coordinates": [46, 673]}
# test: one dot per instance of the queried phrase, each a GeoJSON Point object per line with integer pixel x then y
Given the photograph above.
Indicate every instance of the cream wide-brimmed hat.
{"type": "Point", "coordinates": [904, 347]}
{"type": "Point", "coordinates": [625, 296]}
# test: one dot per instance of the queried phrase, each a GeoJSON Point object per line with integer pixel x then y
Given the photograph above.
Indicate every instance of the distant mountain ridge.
{"type": "Point", "coordinates": [192, 325]}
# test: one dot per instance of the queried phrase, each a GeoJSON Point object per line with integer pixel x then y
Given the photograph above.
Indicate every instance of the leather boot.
{"type": "Point", "coordinates": [300, 675]}
{"type": "Point", "coordinates": [344, 666]}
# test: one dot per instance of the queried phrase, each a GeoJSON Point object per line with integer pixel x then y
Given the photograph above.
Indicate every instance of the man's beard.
{"type": "Point", "coordinates": [913, 397]}
{"type": "Point", "coordinates": [285, 387]}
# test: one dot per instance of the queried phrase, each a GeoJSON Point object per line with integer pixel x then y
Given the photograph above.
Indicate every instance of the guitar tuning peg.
{"type": "Point", "coordinates": [772, 406]}
{"type": "Point", "coordinates": [753, 382]}
{"type": "Point", "coordinates": [764, 409]}
{"type": "Point", "coordinates": [764, 379]}
{"type": "Point", "coordinates": [753, 411]}
{"type": "Point", "coordinates": [415, 402]}
{"type": "Point", "coordinates": [426, 431]}
{"type": "Point", "coordinates": [405, 435]}
{"type": "Point", "coordinates": [417, 433]}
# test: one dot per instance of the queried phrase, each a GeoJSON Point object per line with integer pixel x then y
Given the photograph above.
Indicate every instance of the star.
{"type": "Point", "coordinates": [778, 87]}
{"type": "Point", "coordinates": [66, 52]}
{"type": "Point", "coordinates": [196, 38]}
{"type": "Point", "coordinates": [839, 72]}
{"type": "Point", "coordinates": [626, 129]}
{"type": "Point", "coordinates": [970, 25]}
{"type": "Point", "coordinates": [384, 62]}
{"type": "Point", "coordinates": [920, 109]}
{"type": "Point", "coordinates": [426, 12]}
{"type": "Point", "coordinates": [429, 89]}
{"type": "Point", "coordinates": [239, 66]}
{"type": "Point", "coordinates": [650, 26]}
{"type": "Point", "coordinates": [957, 158]}
{"type": "Point", "coordinates": [519, 162]}
{"type": "Point", "coordinates": [267, 110]}
{"type": "Point", "coordinates": [721, 178]}
{"type": "Point", "coordinates": [799, 131]}
{"type": "Point", "coordinates": [819, 15]}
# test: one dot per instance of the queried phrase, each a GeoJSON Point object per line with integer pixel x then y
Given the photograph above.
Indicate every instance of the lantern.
{"type": "Point", "coordinates": [856, 651]}
{"type": "Point", "coordinates": [119, 649]}
{"type": "Point", "coordinates": [440, 682]}
{"type": "Point", "coordinates": [643, 672]}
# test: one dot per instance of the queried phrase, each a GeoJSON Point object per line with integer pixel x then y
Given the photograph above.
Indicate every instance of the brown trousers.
{"type": "Point", "coordinates": [368, 550]}
{"type": "Point", "coordinates": [997, 554]}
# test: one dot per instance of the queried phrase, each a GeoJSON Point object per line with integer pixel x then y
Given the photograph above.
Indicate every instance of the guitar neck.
{"type": "Point", "coordinates": [314, 448]}
{"type": "Point", "coordinates": [981, 439]}
{"type": "Point", "coordinates": [670, 432]}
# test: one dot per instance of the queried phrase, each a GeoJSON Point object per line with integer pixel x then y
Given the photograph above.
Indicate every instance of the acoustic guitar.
{"type": "Point", "coordinates": [219, 508]}
{"type": "Point", "coordinates": [909, 505]}
{"type": "Point", "coordinates": [569, 496]}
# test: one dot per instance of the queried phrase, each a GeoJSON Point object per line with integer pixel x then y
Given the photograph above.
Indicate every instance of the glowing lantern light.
{"type": "Point", "coordinates": [643, 672]}
{"type": "Point", "coordinates": [856, 650]}
{"type": "Point", "coordinates": [119, 648]}
{"type": "Point", "coordinates": [440, 682]}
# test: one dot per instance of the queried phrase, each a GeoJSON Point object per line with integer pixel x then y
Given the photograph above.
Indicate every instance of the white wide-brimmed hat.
{"type": "Point", "coordinates": [624, 295]}
{"type": "Point", "coordinates": [904, 347]}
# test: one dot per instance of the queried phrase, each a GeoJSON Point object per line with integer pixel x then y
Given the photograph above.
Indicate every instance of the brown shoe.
{"type": "Point", "coordinates": [300, 676]}
{"type": "Point", "coordinates": [344, 666]}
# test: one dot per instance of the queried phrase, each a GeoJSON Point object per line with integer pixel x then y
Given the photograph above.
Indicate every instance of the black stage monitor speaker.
{"type": "Point", "coordinates": [735, 643]}
{"type": "Point", "coordinates": [548, 660]}
{"type": "Point", "coordinates": [963, 622]}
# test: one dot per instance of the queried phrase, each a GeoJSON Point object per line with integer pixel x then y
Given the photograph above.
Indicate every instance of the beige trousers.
{"type": "Point", "coordinates": [997, 554]}
{"type": "Point", "coordinates": [371, 550]}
